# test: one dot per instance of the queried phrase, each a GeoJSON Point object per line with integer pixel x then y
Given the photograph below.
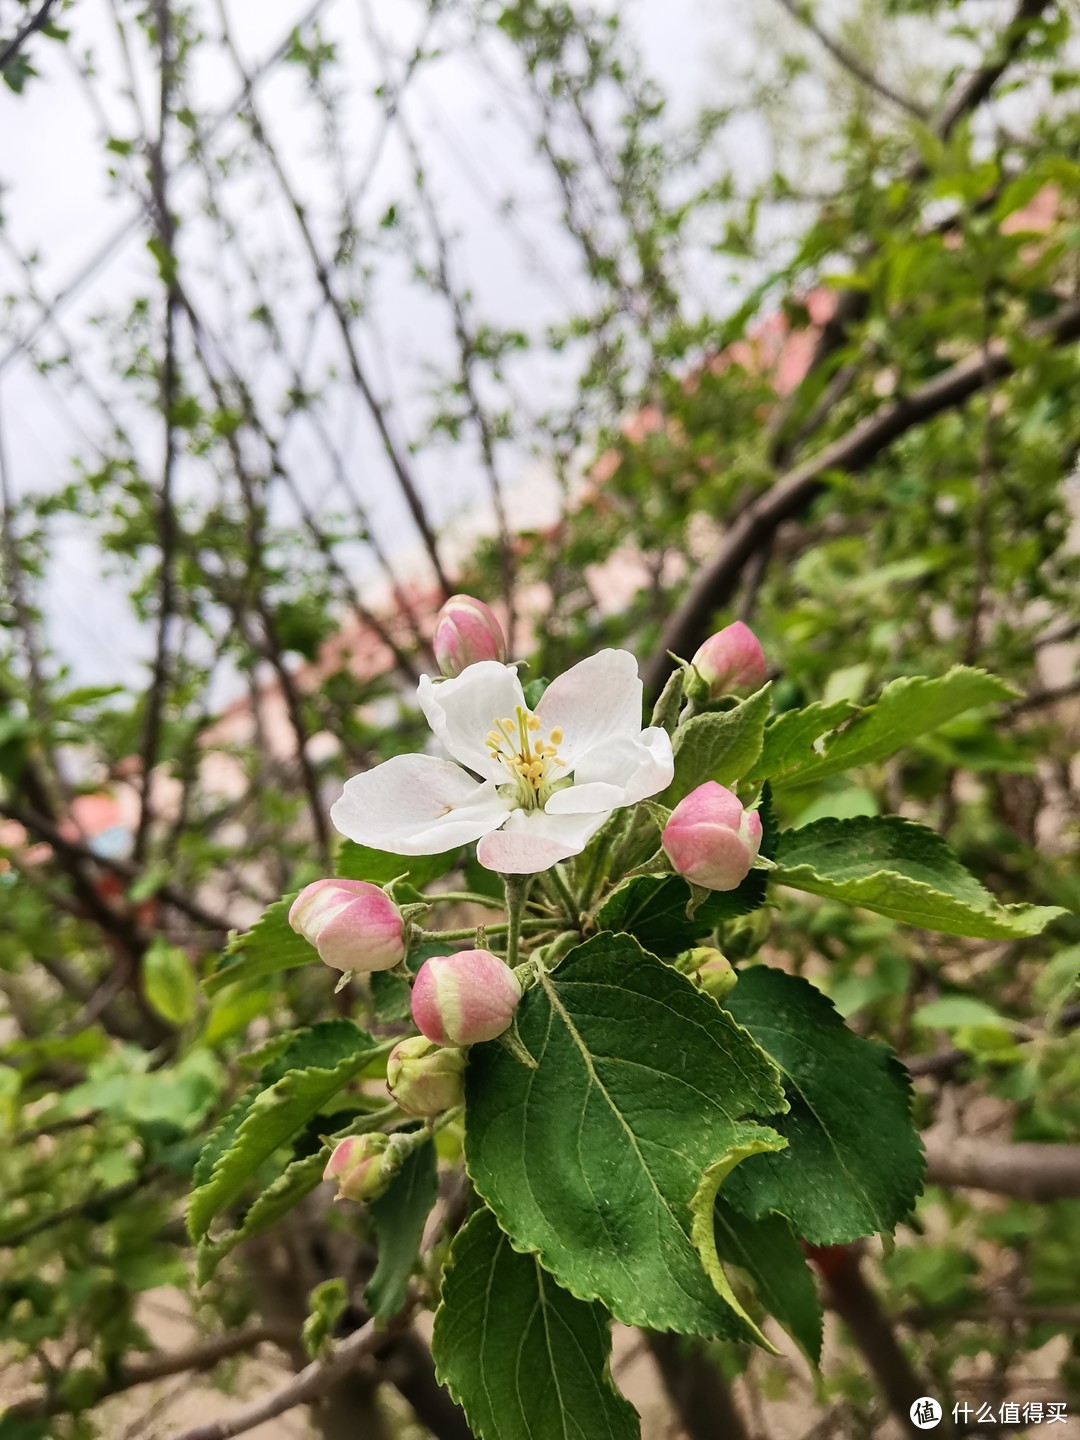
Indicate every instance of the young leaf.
{"type": "Point", "coordinates": [399, 1217]}
{"type": "Point", "coordinates": [767, 1251]}
{"type": "Point", "coordinates": [789, 739]}
{"type": "Point", "coordinates": [270, 946]}
{"type": "Point", "coordinates": [327, 1304]}
{"type": "Point", "coordinates": [906, 709]}
{"type": "Point", "coordinates": [594, 1158]}
{"type": "Point", "coordinates": [720, 745]}
{"type": "Point", "coordinates": [523, 1358]}
{"type": "Point", "coordinates": [169, 982]}
{"type": "Point", "coordinates": [266, 1118]}
{"type": "Point", "coordinates": [901, 870]}
{"type": "Point", "coordinates": [854, 1162]}
{"type": "Point", "coordinates": [280, 1196]}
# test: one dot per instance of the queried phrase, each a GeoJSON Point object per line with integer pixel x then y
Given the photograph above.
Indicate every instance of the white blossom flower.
{"type": "Point", "coordinates": [532, 787]}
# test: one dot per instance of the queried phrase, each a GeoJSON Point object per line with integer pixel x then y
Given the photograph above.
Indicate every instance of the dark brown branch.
{"type": "Point", "coordinates": [195, 1359]}
{"type": "Point", "coordinates": [45, 830]}
{"type": "Point", "coordinates": [851, 62]}
{"type": "Point", "coordinates": [37, 21]}
{"type": "Point", "coordinates": [793, 493]}
{"type": "Point", "coordinates": [1024, 1171]}
{"type": "Point", "coordinates": [696, 1389]}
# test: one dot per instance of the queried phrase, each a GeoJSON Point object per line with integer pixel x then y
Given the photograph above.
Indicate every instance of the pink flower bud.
{"type": "Point", "coordinates": [358, 1165]}
{"type": "Point", "coordinates": [464, 998]}
{"type": "Point", "coordinates": [465, 632]}
{"type": "Point", "coordinates": [710, 839]}
{"type": "Point", "coordinates": [353, 925]}
{"type": "Point", "coordinates": [730, 660]}
{"type": "Point", "coordinates": [425, 1079]}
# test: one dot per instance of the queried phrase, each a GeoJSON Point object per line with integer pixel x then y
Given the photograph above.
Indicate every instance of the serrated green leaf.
{"type": "Point", "coordinates": [169, 982]}
{"type": "Point", "coordinates": [854, 1162]}
{"type": "Point", "coordinates": [298, 1179]}
{"type": "Point", "coordinates": [270, 946]}
{"type": "Point", "coordinates": [768, 1253]}
{"type": "Point", "coordinates": [901, 870]}
{"type": "Point", "coordinates": [523, 1358]}
{"type": "Point", "coordinates": [399, 1217]}
{"type": "Point", "coordinates": [326, 1305]}
{"type": "Point", "coordinates": [907, 708]}
{"type": "Point", "coordinates": [788, 741]}
{"type": "Point", "coordinates": [313, 1068]}
{"type": "Point", "coordinates": [379, 867]}
{"type": "Point", "coordinates": [720, 745]}
{"type": "Point", "coordinates": [593, 1159]}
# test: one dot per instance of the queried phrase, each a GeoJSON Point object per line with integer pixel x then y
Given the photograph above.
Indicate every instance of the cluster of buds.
{"type": "Point", "coordinates": [729, 662]}
{"type": "Point", "coordinates": [353, 925]}
{"type": "Point", "coordinates": [711, 839]}
{"type": "Point", "coordinates": [466, 632]}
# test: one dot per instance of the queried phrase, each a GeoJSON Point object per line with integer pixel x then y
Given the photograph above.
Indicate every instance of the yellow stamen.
{"type": "Point", "coordinates": [534, 722]}
{"type": "Point", "coordinates": [556, 735]}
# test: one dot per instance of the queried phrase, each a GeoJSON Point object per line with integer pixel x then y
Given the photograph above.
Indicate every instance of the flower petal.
{"type": "Point", "coordinates": [462, 711]}
{"type": "Point", "coordinates": [618, 772]}
{"type": "Point", "coordinates": [593, 702]}
{"type": "Point", "coordinates": [533, 840]}
{"type": "Point", "coordinates": [417, 805]}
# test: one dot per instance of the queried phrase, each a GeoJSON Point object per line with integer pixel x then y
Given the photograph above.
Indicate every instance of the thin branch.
{"type": "Point", "coordinates": [196, 1358]}
{"type": "Point", "coordinates": [696, 1389]}
{"type": "Point", "coordinates": [168, 386]}
{"type": "Point", "coordinates": [45, 830]}
{"type": "Point", "coordinates": [37, 21]}
{"type": "Point", "coordinates": [793, 493]}
{"type": "Point", "coordinates": [311, 1383]}
{"type": "Point", "coordinates": [87, 1209]}
{"type": "Point", "coordinates": [851, 62]}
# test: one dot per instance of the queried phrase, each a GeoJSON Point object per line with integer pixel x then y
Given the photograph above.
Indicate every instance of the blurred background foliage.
{"type": "Point", "coordinates": [813, 364]}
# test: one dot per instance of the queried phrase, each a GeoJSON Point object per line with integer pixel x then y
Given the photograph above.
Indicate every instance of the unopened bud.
{"type": "Point", "coordinates": [464, 998]}
{"type": "Point", "coordinates": [353, 925]}
{"type": "Point", "coordinates": [359, 1166]}
{"type": "Point", "coordinates": [712, 970]}
{"type": "Point", "coordinates": [731, 660]}
{"type": "Point", "coordinates": [466, 632]}
{"type": "Point", "coordinates": [425, 1079]}
{"type": "Point", "coordinates": [710, 839]}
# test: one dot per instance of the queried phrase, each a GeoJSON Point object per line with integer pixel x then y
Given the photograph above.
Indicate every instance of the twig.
{"type": "Point", "coordinates": [81, 1209]}
{"type": "Point", "coordinates": [696, 1389]}
{"type": "Point", "coordinates": [793, 493]}
{"type": "Point", "coordinates": [37, 21]}
{"type": "Point", "coordinates": [314, 1380]}
{"type": "Point", "coordinates": [198, 1357]}
{"type": "Point", "coordinates": [851, 62]}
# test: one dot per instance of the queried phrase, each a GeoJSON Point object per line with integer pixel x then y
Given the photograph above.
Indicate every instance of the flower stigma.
{"type": "Point", "coordinates": [531, 762]}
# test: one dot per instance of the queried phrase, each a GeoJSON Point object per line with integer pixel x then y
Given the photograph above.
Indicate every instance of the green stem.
{"type": "Point", "coordinates": [470, 930]}
{"type": "Point", "coordinates": [566, 895]}
{"type": "Point", "coordinates": [464, 897]}
{"type": "Point", "coordinates": [517, 892]}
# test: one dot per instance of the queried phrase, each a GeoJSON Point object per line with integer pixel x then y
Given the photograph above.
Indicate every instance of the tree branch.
{"type": "Point", "coordinates": [312, 1382]}
{"type": "Point", "coordinates": [37, 21]}
{"type": "Point", "coordinates": [851, 62]}
{"type": "Point", "coordinates": [1024, 1171]}
{"type": "Point", "coordinates": [793, 493]}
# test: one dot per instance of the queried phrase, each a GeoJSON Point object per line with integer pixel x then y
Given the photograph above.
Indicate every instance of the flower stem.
{"type": "Point", "coordinates": [566, 895]}
{"type": "Point", "coordinates": [468, 931]}
{"type": "Point", "coordinates": [464, 897]}
{"type": "Point", "coordinates": [517, 891]}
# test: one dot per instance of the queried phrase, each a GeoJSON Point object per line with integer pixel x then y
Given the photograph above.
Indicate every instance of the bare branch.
{"type": "Point", "coordinates": [793, 493]}
{"type": "Point", "coordinates": [851, 62]}
{"type": "Point", "coordinates": [312, 1382]}
{"type": "Point", "coordinates": [1025, 1171]}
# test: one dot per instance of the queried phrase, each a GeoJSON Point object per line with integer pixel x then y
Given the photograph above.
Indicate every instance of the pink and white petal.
{"type": "Point", "coordinates": [619, 772]}
{"type": "Point", "coordinates": [462, 711]}
{"type": "Point", "coordinates": [593, 702]}
{"type": "Point", "coordinates": [533, 840]}
{"type": "Point", "coordinates": [417, 805]}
